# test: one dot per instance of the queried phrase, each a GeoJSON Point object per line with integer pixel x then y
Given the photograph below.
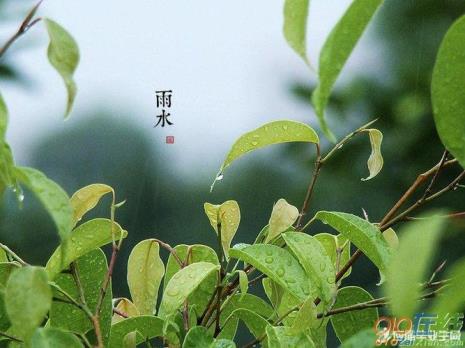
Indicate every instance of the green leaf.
{"type": "Point", "coordinates": [242, 301]}
{"type": "Point", "coordinates": [375, 161]}
{"type": "Point", "coordinates": [130, 340]}
{"type": "Point", "coordinates": [197, 253]}
{"type": "Point", "coordinates": [63, 55]}
{"type": "Point", "coordinates": [305, 318]}
{"type": "Point", "coordinates": [349, 323]}
{"type": "Point", "coordinates": [51, 195]}
{"type": "Point", "coordinates": [447, 92]}
{"type": "Point", "coordinates": [86, 237]}
{"type": "Point", "coordinates": [243, 282]}
{"type": "Point", "coordinates": [337, 49]}
{"type": "Point", "coordinates": [391, 238]}
{"type": "Point", "coordinates": [228, 215]}
{"type": "Point", "coordinates": [6, 268]}
{"type": "Point", "coordinates": [316, 263]}
{"type": "Point", "coordinates": [452, 298]}
{"type": "Point", "coordinates": [28, 298]}
{"type": "Point", "coordinates": [295, 26]}
{"type": "Point", "coordinates": [276, 132]}
{"type": "Point", "coordinates": [52, 338]}
{"type": "Point", "coordinates": [199, 337]}
{"type": "Point", "coordinates": [282, 217]}
{"type": "Point", "coordinates": [92, 269]}
{"type": "Point", "coordinates": [127, 307]}
{"type": "Point", "coordinates": [145, 272]}
{"type": "Point", "coordinates": [148, 326]}
{"type": "Point", "coordinates": [282, 337]}
{"type": "Point", "coordinates": [363, 339]}
{"type": "Point", "coordinates": [362, 233]}
{"type": "Point", "coordinates": [331, 243]}
{"type": "Point", "coordinates": [254, 322]}
{"type": "Point", "coordinates": [184, 283]}
{"type": "Point", "coordinates": [276, 263]}
{"type": "Point", "coordinates": [3, 118]}
{"type": "Point", "coordinates": [86, 198]}
{"type": "Point", "coordinates": [404, 276]}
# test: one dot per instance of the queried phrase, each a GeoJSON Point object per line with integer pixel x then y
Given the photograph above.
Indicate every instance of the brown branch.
{"type": "Point", "coordinates": [26, 24]}
{"type": "Point", "coordinates": [10, 337]}
{"type": "Point", "coordinates": [171, 250]}
{"type": "Point", "coordinates": [120, 313]}
{"type": "Point", "coordinates": [311, 186]}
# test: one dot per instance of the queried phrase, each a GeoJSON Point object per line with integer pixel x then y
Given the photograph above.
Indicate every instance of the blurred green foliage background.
{"type": "Point", "coordinates": [164, 205]}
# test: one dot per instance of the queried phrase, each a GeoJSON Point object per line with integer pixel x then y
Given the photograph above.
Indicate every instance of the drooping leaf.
{"type": "Point", "coordinates": [197, 253]}
{"type": "Point", "coordinates": [86, 198]}
{"type": "Point", "coordinates": [375, 161]}
{"type": "Point", "coordinates": [92, 269]}
{"type": "Point", "coordinates": [331, 243]}
{"type": "Point", "coordinates": [148, 327]}
{"type": "Point", "coordinates": [315, 261]}
{"type": "Point", "coordinates": [295, 26]}
{"type": "Point", "coordinates": [28, 298]}
{"type": "Point", "coordinates": [228, 215]}
{"type": "Point", "coordinates": [282, 217]}
{"type": "Point", "coordinates": [244, 301]}
{"type": "Point", "coordinates": [349, 323]}
{"type": "Point", "coordinates": [127, 307]}
{"type": "Point", "coordinates": [276, 132]}
{"type": "Point", "coordinates": [404, 276]}
{"type": "Point", "coordinates": [447, 92]}
{"type": "Point", "coordinates": [51, 195]}
{"type": "Point", "coordinates": [86, 237]}
{"type": "Point", "coordinates": [52, 338]}
{"type": "Point", "coordinates": [182, 284]}
{"type": "Point", "coordinates": [63, 55]}
{"type": "Point", "coordinates": [282, 337]}
{"type": "Point", "coordinates": [362, 233]}
{"type": "Point", "coordinates": [336, 50]}
{"type": "Point", "coordinates": [362, 339]}
{"type": "Point", "coordinates": [276, 263]}
{"type": "Point", "coordinates": [254, 322]}
{"type": "Point", "coordinates": [145, 272]}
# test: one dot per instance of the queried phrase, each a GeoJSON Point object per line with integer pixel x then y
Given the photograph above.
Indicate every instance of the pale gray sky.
{"type": "Point", "coordinates": [227, 63]}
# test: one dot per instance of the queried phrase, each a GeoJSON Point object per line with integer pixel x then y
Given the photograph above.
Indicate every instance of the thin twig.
{"type": "Point", "coordinates": [171, 250]}
{"type": "Point", "coordinates": [120, 313]}
{"type": "Point", "coordinates": [26, 24]}
{"type": "Point", "coordinates": [13, 254]}
{"type": "Point", "coordinates": [10, 337]}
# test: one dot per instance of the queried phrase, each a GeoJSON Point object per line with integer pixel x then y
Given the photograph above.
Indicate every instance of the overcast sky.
{"type": "Point", "coordinates": [227, 63]}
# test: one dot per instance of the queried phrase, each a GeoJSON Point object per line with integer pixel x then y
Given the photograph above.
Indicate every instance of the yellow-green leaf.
{"type": "Point", "coordinates": [51, 195]}
{"type": "Point", "coordinates": [127, 307]}
{"type": "Point", "coordinates": [86, 198]}
{"type": "Point", "coordinates": [305, 318]}
{"type": "Point", "coordinates": [283, 337]}
{"type": "Point", "coordinates": [375, 161]}
{"type": "Point", "coordinates": [28, 299]}
{"type": "Point", "coordinates": [362, 233]}
{"type": "Point", "coordinates": [282, 217]}
{"type": "Point", "coordinates": [391, 238]}
{"type": "Point", "coordinates": [148, 327]}
{"type": "Point", "coordinates": [278, 264]}
{"type": "Point", "coordinates": [145, 272]}
{"type": "Point", "coordinates": [332, 243]}
{"type": "Point", "coordinates": [336, 50]}
{"type": "Point", "coordinates": [295, 26]}
{"type": "Point", "coordinates": [243, 282]}
{"type": "Point", "coordinates": [228, 215]}
{"type": "Point", "coordinates": [182, 284]}
{"type": "Point", "coordinates": [404, 276]}
{"type": "Point", "coordinates": [86, 237]}
{"type": "Point", "coordinates": [447, 92]}
{"type": "Point", "coordinates": [254, 322]}
{"type": "Point", "coordinates": [276, 132]}
{"type": "Point", "coordinates": [63, 55]}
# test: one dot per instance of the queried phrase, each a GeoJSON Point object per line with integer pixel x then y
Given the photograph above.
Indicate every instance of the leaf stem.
{"type": "Point", "coordinates": [13, 254]}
